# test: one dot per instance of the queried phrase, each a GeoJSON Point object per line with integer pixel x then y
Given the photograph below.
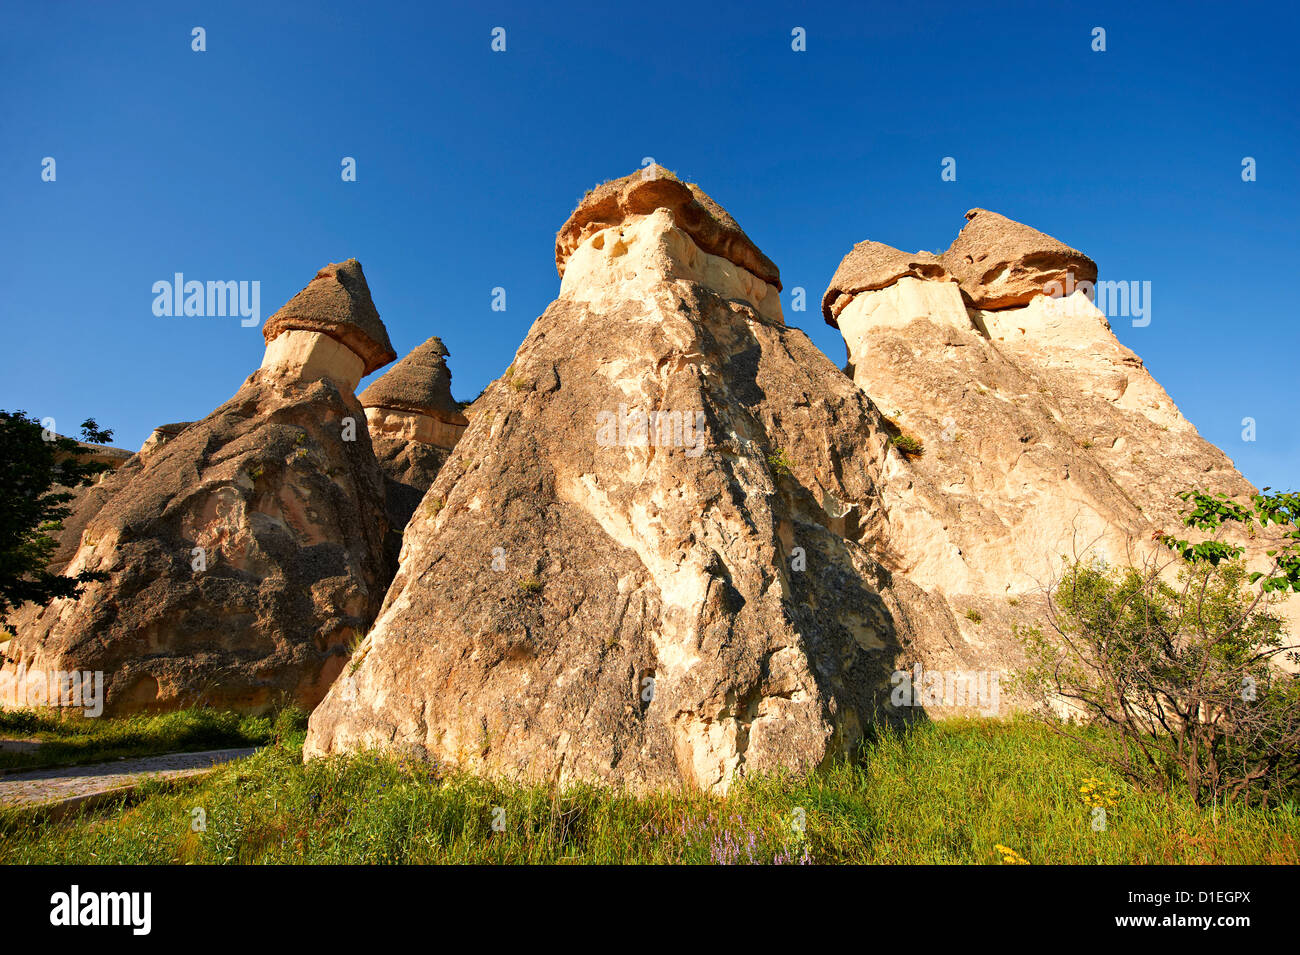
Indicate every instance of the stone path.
{"type": "Point", "coordinates": [67, 786]}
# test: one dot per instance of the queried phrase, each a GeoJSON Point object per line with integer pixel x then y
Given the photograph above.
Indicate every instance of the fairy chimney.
{"type": "Point", "coordinates": [330, 329]}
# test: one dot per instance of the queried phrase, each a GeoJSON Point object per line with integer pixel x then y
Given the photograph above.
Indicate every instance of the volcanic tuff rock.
{"type": "Point", "coordinates": [586, 595]}
{"type": "Point", "coordinates": [1043, 436]}
{"type": "Point", "coordinates": [245, 552]}
{"type": "Point", "coordinates": [1001, 263]}
{"type": "Point", "coordinates": [161, 435]}
{"type": "Point", "coordinates": [671, 544]}
{"type": "Point", "coordinates": [68, 538]}
{"type": "Point", "coordinates": [414, 423]}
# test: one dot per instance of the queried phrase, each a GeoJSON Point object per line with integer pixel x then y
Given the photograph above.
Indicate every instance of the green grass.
{"type": "Point", "coordinates": [938, 793]}
{"type": "Point", "coordinates": [71, 738]}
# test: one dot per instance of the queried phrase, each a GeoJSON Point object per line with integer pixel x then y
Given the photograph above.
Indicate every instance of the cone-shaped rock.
{"type": "Point", "coordinates": [418, 384]}
{"type": "Point", "coordinates": [1000, 262]}
{"type": "Point", "coordinates": [414, 423]}
{"type": "Point", "coordinates": [336, 304]}
{"type": "Point", "coordinates": [243, 551]}
{"type": "Point", "coordinates": [649, 559]}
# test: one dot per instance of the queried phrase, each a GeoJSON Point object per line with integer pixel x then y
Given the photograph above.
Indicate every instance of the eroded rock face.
{"type": "Point", "coordinates": [1043, 436]}
{"type": "Point", "coordinates": [300, 355]}
{"type": "Point", "coordinates": [709, 226]}
{"type": "Point", "coordinates": [580, 601]}
{"type": "Point", "coordinates": [874, 265]}
{"type": "Point", "coordinates": [160, 436]}
{"type": "Point", "coordinates": [83, 503]}
{"type": "Point", "coordinates": [244, 554]}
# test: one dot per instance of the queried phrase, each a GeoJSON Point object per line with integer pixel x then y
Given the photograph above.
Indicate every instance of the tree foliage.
{"type": "Point", "coordinates": [38, 472]}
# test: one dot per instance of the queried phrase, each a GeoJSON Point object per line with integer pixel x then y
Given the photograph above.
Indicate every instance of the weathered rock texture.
{"type": "Point", "coordinates": [711, 228]}
{"type": "Point", "coordinates": [557, 565]}
{"type": "Point", "coordinates": [1043, 436]}
{"type": "Point", "coordinates": [160, 436]}
{"type": "Point", "coordinates": [1000, 262]}
{"type": "Point", "coordinates": [244, 552]}
{"type": "Point", "coordinates": [414, 423]}
{"type": "Point", "coordinates": [874, 265]}
{"type": "Point", "coordinates": [85, 501]}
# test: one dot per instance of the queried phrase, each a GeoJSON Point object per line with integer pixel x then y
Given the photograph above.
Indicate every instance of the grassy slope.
{"type": "Point", "coordinates": [71, 740]}
{"type": "Point", "coordinates": [941, 793]}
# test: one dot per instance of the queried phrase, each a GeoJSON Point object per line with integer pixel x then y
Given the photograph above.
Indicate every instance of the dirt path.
{"type": "Point", "coordinates": [75, 784]}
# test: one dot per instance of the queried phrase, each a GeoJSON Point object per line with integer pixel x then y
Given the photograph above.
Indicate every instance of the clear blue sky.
{"type": "Point", "coordinates": [225, 165]}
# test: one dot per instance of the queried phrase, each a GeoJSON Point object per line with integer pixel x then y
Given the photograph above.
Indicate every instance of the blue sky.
{"type": "Point", "coordinates": [226, 165]}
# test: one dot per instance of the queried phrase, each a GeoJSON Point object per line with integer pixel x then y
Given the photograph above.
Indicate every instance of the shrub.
{"type": "Point", "coordinates": [1184, 672]}
{"type": "Point", "coordinates": [910, 447]}
{"type": "Point", "coordinates": [780, 464]}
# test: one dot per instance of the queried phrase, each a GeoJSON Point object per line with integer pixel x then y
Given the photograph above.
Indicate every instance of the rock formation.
{"type": "Point", "coordinates": [1043, 436]}
{"type": "Point", "coordinates": [414, 423]}
{"type": "Point", "coordinates": [160, 436]}
{"type": "Point", "coordinates": [328, 330]}
{"type": "Point", "coordinates": [244, 551]}
{"type": "Point", "coordinates": [1001, 263]}
{"type": "Point", "coordinates": [649, 560]}
{"type": "Point", "coordinates": [672, 545]}
{"type": "Point", "coordinates": [84, 502]}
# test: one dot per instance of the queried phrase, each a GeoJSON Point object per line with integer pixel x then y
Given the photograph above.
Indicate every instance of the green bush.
{"type": "Point", "coordinates": [1184, 672]}
{"type": "Point", "coordinates": [780, 463]}
{"type": "Point", "coordinates": [909, 446]}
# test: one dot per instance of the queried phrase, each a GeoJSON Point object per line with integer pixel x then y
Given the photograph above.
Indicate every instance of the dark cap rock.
{"type": "Point", "coordinates": [1001, 263]}
{"type": "Point", "coordinates": [337, 303]}
{"type": "Point", "coordinates": [419, 383]}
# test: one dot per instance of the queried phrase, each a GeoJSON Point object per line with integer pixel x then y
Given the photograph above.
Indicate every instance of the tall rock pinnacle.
{"type": "Point", "coordinates": [648, 560]}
